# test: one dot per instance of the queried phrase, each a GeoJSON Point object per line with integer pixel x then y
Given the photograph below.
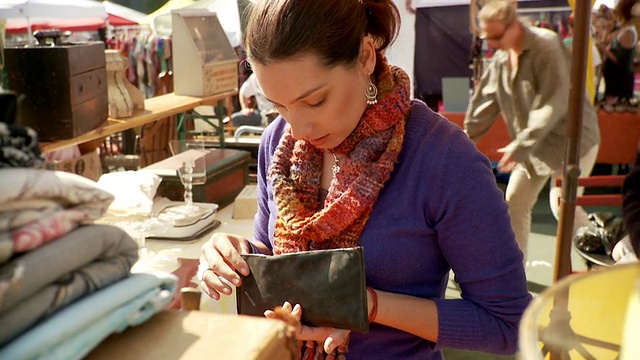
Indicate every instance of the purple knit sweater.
{"type": "Point", "coordinates": [440, 210]}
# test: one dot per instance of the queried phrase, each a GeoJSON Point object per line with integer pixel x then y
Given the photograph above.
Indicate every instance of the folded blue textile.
{"type": "Point", "coordinates": [74, 331]}
{"type": "Point", "coordinates": [44, 280]}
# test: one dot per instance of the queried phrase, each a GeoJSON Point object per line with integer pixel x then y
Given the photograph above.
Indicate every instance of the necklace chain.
{"type": "Point", "coordinates": [336, 164]}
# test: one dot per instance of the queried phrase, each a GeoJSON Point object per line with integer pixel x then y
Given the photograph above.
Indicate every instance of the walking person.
{"type": "Point", "coordinates": [528, 83]}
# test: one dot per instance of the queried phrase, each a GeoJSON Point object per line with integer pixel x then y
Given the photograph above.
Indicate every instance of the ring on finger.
{"type": "Point", "coordinates": [202, 272]}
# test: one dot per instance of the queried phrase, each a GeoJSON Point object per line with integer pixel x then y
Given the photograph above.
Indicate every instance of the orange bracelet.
{"type": "Point", "coordinates": [374, 299]}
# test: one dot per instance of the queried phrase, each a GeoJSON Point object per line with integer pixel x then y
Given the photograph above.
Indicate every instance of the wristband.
{"type": "Point", "coordinates": [374, 299]}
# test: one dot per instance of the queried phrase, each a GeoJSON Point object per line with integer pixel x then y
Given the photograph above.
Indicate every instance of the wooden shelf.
{"type": "Point", "coordinates": [156, 108]}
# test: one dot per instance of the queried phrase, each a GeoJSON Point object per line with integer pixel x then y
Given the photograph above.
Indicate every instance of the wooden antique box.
{"type": "Point", "coordinates": [64, 88]}
{"type": "Point", "coordinates": [227, 173]}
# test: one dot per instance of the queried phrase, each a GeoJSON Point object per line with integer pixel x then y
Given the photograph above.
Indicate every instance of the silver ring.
{"type": "Point", "coordinates": [201, 271]}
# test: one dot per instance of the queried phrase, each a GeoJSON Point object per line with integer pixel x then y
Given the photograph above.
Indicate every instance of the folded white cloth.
{"type": "Point", "coordinates": [133, 191]}
{"type": "Point", "coordinates": [29, 194]}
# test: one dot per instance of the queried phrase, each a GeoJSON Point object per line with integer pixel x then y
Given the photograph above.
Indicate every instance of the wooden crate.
{"type": "Point", "coordinates": [87, 165]}
{"type": "Point", "coordinates": [227, 174]}
{"type": "Point", "coordinates": [64, 88]}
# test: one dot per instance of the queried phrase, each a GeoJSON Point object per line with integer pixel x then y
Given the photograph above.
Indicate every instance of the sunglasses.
{"type": "Point", "coordinates": [497, 37]}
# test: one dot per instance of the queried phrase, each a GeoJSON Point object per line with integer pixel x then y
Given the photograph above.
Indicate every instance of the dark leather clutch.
{"type": "Point", "coordinates": [329, 284]}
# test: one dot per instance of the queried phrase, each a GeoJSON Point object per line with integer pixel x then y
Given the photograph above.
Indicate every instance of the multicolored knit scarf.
{"type": "Point", "coordinates": [370, 154]}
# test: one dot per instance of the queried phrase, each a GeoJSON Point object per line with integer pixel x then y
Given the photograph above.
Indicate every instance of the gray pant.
{"type": "Point", "coordinates": [253, 119]}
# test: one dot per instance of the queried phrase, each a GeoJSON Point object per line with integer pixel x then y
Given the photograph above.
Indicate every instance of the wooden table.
{"type": "Point", "coordinates": [200, 335]}
{"type": "Point", "coordinates": [620, 135]}
{"type": "Point", "coordinates": [181, 258]}
{"type": "Point", "coordinates": [156, 108]}
{"type": "Point", "coordinates": [191, 249]}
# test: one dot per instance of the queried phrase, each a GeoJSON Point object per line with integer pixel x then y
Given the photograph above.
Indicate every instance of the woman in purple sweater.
{"type": "Point", "coordinates": [353, 161]}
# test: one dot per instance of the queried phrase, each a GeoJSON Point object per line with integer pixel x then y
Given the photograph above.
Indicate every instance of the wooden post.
{"type": "Point", "coordinates": [564, 234]}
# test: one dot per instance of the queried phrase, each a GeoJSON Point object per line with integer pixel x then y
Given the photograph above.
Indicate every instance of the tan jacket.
{"type": "Point", "coordinates": [533, 104]}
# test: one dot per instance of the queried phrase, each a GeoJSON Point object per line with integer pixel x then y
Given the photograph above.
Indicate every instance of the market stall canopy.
{"type": "Point", "coordinates": [227, 11]}
{"type": "Point", "coordinates": [74, 15]}
{"type": "Point", "coordinates": [121, 15]}
{"type": "Point", "coordinates": [166, 9]}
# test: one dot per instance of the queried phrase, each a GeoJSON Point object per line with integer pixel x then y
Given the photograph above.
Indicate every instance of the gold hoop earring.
{"type": "Point", "coordinates": [371, 93]}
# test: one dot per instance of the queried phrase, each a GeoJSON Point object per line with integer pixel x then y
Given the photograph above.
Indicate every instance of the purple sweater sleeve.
{"type": "Point", "coordinates": [264, 220]}
{"type": "Point", "coordinates": [440, 211]}
{"type": "Point", "coordinates": [475, 237]}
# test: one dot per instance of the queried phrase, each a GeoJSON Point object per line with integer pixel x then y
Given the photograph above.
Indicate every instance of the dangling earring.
{"type": "Point", "coordinates": [371, 93]}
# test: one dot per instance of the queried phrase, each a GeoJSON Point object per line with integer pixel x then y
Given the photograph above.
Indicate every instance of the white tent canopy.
{"type": "Point", "coordinates": [51, 9]}
{"type": "Point", "coordinates": [227, 11]}
{"type": "Point", "coordinates": [123, 11]}
{"type": "Point", "coordinates": [26, 13]}
{"type": "Point", "coordinates": [166, 9]}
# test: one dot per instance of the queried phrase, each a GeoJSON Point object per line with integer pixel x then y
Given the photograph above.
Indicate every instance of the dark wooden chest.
{"type": "Point", "coordinates": [227, 174]}
{"type": "Point", "coordinates": [64, 88]}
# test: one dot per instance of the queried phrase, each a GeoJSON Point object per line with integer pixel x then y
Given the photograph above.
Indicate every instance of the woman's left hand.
{"type": "Point", "coordinates": [331, 338]}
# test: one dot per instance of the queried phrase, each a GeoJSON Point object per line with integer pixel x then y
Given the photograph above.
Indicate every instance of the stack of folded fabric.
{"type": "Point", "coordinates": [65, 283]}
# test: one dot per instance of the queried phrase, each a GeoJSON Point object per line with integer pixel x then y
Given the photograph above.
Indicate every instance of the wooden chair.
{"type": "Point", "coordinates": [614, 199]}
{"type": "Point", "coordinates": [619, 139]}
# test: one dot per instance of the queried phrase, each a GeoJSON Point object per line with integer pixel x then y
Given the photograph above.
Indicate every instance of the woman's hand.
{"type": "Point", "coordinates": [331, 338]}
{"type": "Point", "coordinates": [222, 254]}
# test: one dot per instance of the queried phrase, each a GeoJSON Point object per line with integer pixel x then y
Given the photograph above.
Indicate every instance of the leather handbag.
{"type": "Point", "coordinates": [328, 284]}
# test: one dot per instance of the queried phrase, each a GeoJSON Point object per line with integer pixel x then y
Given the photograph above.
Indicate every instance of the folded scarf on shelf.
{"type": "Point", "coordinates": [20, 147]}
{"type": "Point", "coordinates": [73, 332]}
{"type": "Point", "coordinates": [40, 282]}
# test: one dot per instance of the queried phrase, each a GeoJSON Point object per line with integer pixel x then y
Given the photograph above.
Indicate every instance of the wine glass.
{"type": "Point", "coordinates": [192, 171]}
